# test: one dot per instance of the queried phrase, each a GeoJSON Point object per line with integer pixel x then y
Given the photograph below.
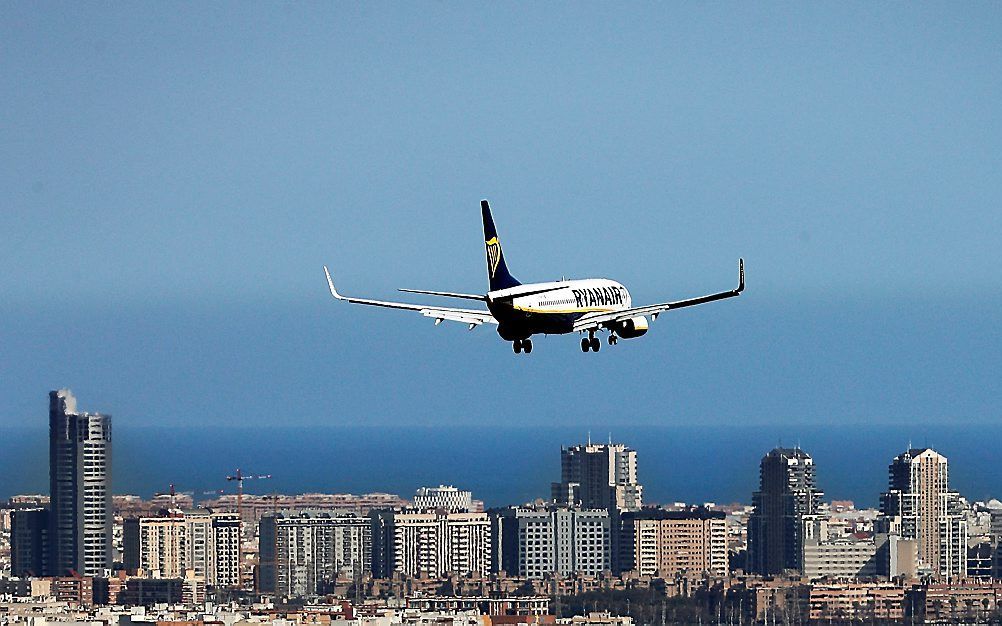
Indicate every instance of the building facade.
{"type": "Point", "coordinates": [28, 542]}
{"type": "Point", "coordinates": [302, 551]}
{"type": "Point", "coordinates": [80, 517]}
{"type": "Point", "coordinates": [536, 543]}
{"type": "Point", "coordinates": [598, 476]}
{"type": "Point", "coordinates": [919, 506]}
{"type": "Point", "coordinates": [218, 558]}
{"type": "Point", "coordinates": [435, 544]}
{"type": "Point", "coordinates": [157, 546]}
{"type": "Point", "coordinates": [788, 493]}
{"type": "Point", "coordinates": [444, 497]}
{"type": "Point", "coordinates": [668, 544]}
{"type": "Point", "coordinates": [839, 559]}
{"type": "Point", "coordinates": [198, 545]}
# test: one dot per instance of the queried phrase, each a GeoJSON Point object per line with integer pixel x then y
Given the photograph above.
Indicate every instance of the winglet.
{"type": "Point", "coordinates": [330, 283]}
{"type": "Point", "coordinates": [741, 276]}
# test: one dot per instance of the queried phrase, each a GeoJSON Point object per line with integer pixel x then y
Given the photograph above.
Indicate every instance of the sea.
{"type": "Point", "coordinates": [692, 463]}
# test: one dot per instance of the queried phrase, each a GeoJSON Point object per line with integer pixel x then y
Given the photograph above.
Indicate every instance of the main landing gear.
{"type": "Point", "coordinates": [590, 342]}
{"type": "Point", "coordinates": [522, 345]}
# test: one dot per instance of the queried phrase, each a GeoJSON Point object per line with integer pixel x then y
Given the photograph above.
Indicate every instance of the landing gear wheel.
{"type": "Point", "coordinates": [517, 346]}
{"type": "Point", "coordinates": [585, 344]}
{"type": "Point", "coordinates": [613, 339]}
{"type": "Point", "coordinates": [527, 345]}
{"type": "Point", "coordinates": [595, 344]}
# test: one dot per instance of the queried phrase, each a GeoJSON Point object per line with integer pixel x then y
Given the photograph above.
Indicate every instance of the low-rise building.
{"type": "Point", "coordinates": [857, 601]}
{"type": "Point", "coordinates": [955, 602]}
{"type": "Point", "coordinates": [839, 559]}
{"type": "Point", "coordinates": [523, 605]}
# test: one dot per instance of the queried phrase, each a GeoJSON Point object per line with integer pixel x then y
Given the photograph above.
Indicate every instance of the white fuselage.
{"type": "Point", "coordinates": [553, 307]}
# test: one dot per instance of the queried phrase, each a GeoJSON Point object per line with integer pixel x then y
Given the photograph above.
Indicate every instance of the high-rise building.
{"type": "Point", "coordinates": [674, 543]}
{"type": "Point", "coordinates": [28, 544]}
{"type": "Point", "coordinates": [919, 505]}
{"type": "Point", "coordinates": [80, 531]}
{"type": "Point", "coordinates": [787, 494]}
{"type": "Point", "coordinates": [598, 476]}
{"type": "Point", "coordinates": [198, 544]}
{"type": "Point", "coordinates": [430, 544]}
{"type": "Point", "coordinates": [535, 543]}
{"type": "Point", "coordinates": [301, 551]}
{"type": "Point", "coordinates": [155, 545]}
{"type": "Point", "coordinates": [218, 558]}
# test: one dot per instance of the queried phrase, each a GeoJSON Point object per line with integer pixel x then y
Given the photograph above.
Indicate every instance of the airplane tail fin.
{"type": "Point", "coordinates": [497, 271]}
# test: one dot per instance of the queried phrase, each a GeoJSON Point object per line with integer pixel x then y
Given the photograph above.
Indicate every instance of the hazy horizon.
{"type": "Point", "coordinates": [694, 463]}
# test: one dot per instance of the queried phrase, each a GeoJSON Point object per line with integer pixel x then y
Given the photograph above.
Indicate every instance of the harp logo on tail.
{"type": "Point", "coordinates": [493, 254]}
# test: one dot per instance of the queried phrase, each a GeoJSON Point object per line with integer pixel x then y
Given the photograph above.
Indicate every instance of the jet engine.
{"type": "Point", "coordinates": [633, 327]}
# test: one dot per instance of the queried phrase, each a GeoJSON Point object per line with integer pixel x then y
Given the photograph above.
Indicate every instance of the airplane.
{"type": "Point", "coordinates": [552, 308]}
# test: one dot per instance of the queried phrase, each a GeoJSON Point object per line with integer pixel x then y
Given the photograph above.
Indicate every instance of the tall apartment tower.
{"type": "Point", "coordinates": [29, 542]}
{"type": "Point", "coordinates": [787, 494]}
{"type": "Point", "coordinates": [919, 506]}
{"type": "Point", "coordinates": [536, 543]}
{"type": "Point", "coordinates": [79, 537]}
{"type": "Point", "coordinates": [669, 544]}
{"type": "Point", "coordinates": [430, 544]}
{"type": "Point", "coordinates": [305, 551]}
{"type": "Point", "coordinates": [197, 544]}
{"type": "Point", "coordinates": [598, 476]}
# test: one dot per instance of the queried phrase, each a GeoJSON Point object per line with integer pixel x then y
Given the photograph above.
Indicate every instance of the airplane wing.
{"type": "Point", "coordinates": [473, 317]}
{"type": "Point", "coordinates": [596, 320]}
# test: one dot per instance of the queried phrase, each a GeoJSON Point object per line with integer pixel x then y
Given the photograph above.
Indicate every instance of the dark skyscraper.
{"type": "Point", "coordinates": [79, 537]}
{"type": "Point", "coordinates": [787, 493]}
{"type": "Point", "coordinates": [599, 476]}
{"type": "Point", "coordinates": [29, 528]}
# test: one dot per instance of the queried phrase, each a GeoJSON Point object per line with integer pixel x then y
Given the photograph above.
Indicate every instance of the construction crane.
{"type": "Point", "coordinates": [172, 493]}
{"type": "Point", "coordinates": [240, 477]}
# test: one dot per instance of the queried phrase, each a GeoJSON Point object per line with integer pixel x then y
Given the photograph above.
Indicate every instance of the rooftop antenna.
{"type": "Point", "coordinates": [610, 438]}
{"type": "Point", "coordinates": [589, 437]}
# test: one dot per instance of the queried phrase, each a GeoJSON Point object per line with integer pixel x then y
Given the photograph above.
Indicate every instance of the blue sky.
{"type": "Point", "coordinates": [173, 177]}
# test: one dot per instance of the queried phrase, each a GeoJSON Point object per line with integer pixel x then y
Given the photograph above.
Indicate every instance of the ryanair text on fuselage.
{"type": "Point", "coordinates": [598, 296]}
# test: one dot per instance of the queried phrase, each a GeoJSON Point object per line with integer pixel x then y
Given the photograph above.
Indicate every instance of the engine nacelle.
{"type": "Point", "coordinates": [633, 327]}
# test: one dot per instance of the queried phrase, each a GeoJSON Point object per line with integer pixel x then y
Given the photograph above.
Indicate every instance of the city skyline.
{"type": "Point", "coordinates": [84, 546]}
{"type": "Point", "coordinates": [625, 460]}
{"type": "Point", "coordinates": [177, 179]}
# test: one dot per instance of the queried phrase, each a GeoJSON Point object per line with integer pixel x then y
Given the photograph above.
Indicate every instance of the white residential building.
{"type": "Point", "coordinates": [431, 544]}
{"type": "Point", "coordinates": [534, 543]}
{"type": "Point", "coordinates": [301, 551]}
{"type": "Point", "coordinates": [446, 497]}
